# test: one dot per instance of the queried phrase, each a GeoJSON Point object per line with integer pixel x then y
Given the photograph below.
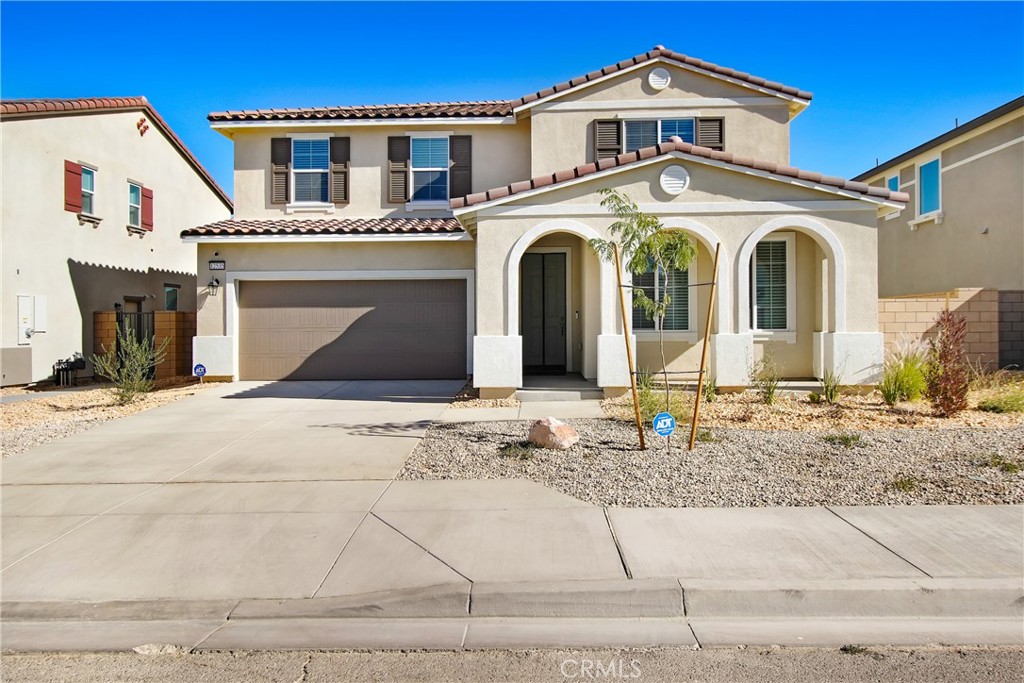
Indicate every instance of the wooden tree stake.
{"type": "Point", "coordinates": [704, 351]}
{"type": "Point", "coordinates": [629, 350]}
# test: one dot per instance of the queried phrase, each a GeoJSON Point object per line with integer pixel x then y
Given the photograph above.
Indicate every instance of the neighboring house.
{"type": "Point", "coordinates": [445, 239]}
{"type": "Point", "coordinates": [95, 192]}
{"type": "Point", "coordinates": [964, 225]}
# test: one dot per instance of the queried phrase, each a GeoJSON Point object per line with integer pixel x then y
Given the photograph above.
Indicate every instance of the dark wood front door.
{"type": "Point", "coordinates": [542, 313]}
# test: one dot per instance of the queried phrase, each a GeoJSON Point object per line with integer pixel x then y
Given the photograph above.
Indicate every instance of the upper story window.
{"type": "Point", "coordinates": [676, 288]}
{"type": "Point", "coordinates": [310, 168]}
{"type": "Point", "coordinates": [134, 206]}
{"type": "Point", "coordinates": [929, 188]}
{"type": "Point", "coordinates": [641, 134]}
{"type": "Point", "coordinates": [88, 189]}
{"type": "Point", "coordinates": [429, 168]}
{"type": "Point", "coordinates": [773, 299]}
{"type": "Point", "coordinates": [892, 183]}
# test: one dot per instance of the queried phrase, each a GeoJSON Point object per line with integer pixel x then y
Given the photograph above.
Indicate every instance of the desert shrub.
{"type": "Point", "coordinates": [905, 483]}
{"type": "Point", "coordinates": [845, 439]}
{"type": "Point", "coordinates": [1010, 401]}
{"type": "Point", "coordinates": [1000, 463]}
{"type": "Point", "coordinates": [652, 402]}
{"type": "Point", "coordinates": [947, 377]}
{"type": "Point", "coordinates": [766, 379]}
{"type": "Point", "coordinates": [904, 377]}
{"type": "Point", "coordinates": [830, 387]}
{"type": "Point", "coordinates": [644, 380]}
{"type": "Point", "coordinates": [710, 389]}
{"type": "Point", "coordinates": [129, 365]}
{"type": "Point", "coordinates": [814, 397]}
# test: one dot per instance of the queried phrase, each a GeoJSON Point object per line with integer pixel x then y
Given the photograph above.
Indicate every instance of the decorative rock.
{"type": "Point", "coordinates": [551, 433]}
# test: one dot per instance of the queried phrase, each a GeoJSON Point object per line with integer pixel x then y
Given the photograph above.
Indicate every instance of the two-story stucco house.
{"type": "Point", "coordinates": [95, 194]}
{"type": "Point", "coordinates": [964, 226]}
{"type": "Point", "coordinates": [445, 239]}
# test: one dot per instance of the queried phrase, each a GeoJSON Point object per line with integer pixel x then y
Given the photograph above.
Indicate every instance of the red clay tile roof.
{"type": "Point", "coordinates": [495, 107]}
{"type": "Point", "coordinates": [372, 111]}
{"type": "Point", "coordinates": [32, 108]}
{"type": "Point", "coordinates": [326, 226]}
{"type": "Point", "coordinates": [674, 145]}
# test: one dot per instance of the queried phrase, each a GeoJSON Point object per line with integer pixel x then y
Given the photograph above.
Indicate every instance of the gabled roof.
{"type": "Point", "coordinates": [44, 107]}
{"type": "Point", "coordinates": [973, 124]}
{"type": "Point", "coordinates": [676, 146]}
{"type": "Point", "coordinates": [326, 226]}
{"type": "Point", "coordinates": [505, 108]}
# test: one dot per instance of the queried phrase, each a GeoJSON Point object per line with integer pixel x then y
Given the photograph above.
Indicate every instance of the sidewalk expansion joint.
{"type": "Point", "coordinates": [879, 542]}
{"type": "Point", "coordinates": [421, 547]}
{"type": "Point", "coordinates": [618, 547]}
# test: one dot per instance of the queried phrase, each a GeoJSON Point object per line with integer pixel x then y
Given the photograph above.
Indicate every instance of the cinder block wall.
{"type": "Point", "coordinates": [178, 326]}
{"type": "Point", "coordinates": [914, 317]}
{"type": "Point", "coordinates": [1011, 328]}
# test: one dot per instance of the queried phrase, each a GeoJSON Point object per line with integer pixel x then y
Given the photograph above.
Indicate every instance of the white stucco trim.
{"type": "Point", "coordinates": [515, 255]}
{"type": "Point", "coordinates": [307, 239]}
{"type": "Point", "coordinates": [683, 156]}
{"type": "Point", "coordinates": [659, 103]}
{"type": "Point", "coordinates": [226, 126]}
{"type": "Point", "coordinates": [233, 277]}
{"type": "Point", "coordinates": [825, 238]}
{"type": "Point", "coordinates": [709, 240]}
{"type": "Point", "coordinates": [697, 208]}
{"type": "Point", "coordinates": [567, 251]}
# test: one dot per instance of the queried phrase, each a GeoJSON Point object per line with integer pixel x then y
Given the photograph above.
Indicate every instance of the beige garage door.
{"type": "Point", "coordinates": [353, 329]}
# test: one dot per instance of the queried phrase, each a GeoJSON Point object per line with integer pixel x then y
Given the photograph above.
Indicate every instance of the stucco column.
{"type": "Point", "coordinates": [856, 357]}
{"type": "Point", "coordinates": [498, 363]}
{"type": "Point", "coordinates": [731, 359]}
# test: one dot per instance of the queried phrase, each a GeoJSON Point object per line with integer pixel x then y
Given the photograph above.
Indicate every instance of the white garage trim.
{"type": "Point", "coordinates": [231, 294]}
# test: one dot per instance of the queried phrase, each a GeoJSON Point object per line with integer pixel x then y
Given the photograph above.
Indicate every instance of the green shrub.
{"type": "Point", "coordinates": [644, 380]}
{"type": "Point", "coordinates": [904, 377]}
{"type": "Point", "coordinates": [948, 379]}
{"type": "Point", "coordinates": [906, 484]}
{"type": "Point", "coordinates": [710, 389]}
{"type": "Point", "coordinates": [129, 365]}
{"type": "Point", "coordinates": [830, 387]}
{"type": "Point", "coordinates": [814, 397]}
{"type": "Point", "coordinates": [847, 439]}
{"type": "Point", "coordinates": [1000, 463]}
{"type": "Point", "coordinates": [766, 378]}
{"type": "Point", "coordinates": [517, 450]}
{"type": "Point", "coordinates": [652, 402]}
{"type": "Point", "coordinates": [1011, 401]}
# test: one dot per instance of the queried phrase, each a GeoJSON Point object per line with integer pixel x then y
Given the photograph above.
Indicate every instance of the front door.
{"type": "Point", "coordinates": [542, 313]}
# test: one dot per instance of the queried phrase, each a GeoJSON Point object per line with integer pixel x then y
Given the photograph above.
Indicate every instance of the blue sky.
{"type": "Point", "coordinates": [886, 76]}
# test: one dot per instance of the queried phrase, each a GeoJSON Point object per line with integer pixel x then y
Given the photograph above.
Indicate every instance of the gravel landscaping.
{"type": "Point", "coordinates": [734, 467]}
{"type": "Point", "coordinates": [50, 415]}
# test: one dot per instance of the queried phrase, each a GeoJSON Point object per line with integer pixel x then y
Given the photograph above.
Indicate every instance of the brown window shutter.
{"type": "Point", "coordinates": [711, 133]}
{"type": "Point", "coordinates": [73, 187]}
{"type": "Point", "coordinates": [398, 168]}
{"type": "Point", "coordinates": [147, 209]}
{"type": "Point", "coordinates": [280, 159]}
{"type": "Point", "coordinates": [607, 138]}
{"type": "Point", "coordinates": [461, 178]}
{"type": "Point", "coordinates": [341, 155]}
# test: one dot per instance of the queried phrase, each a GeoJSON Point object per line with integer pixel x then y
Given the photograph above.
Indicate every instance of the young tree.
{"type": "Point", "coordinates": [128, 365]}
{"type": "Point", "coordinates": [646, 245]}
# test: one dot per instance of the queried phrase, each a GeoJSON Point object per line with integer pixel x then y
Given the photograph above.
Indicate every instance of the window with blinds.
{"type": "Point", "coordinates": [310, 167]}
{"type": "Point", "coordinates": [640, 134]}
{"type": "Point", "coordinates": [770, 282]}
{"type": "Point", "coordinates": [677, 288]}
{"type": "Point", "coordinates": [429, 169]}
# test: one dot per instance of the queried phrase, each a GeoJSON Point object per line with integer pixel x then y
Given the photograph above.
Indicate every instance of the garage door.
{"type": "Point", "coordinates": [353, 329]}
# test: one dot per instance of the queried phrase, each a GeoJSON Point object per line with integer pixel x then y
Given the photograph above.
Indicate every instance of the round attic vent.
{"type": "Point", "coordinates": [659, 78]}
{"type": "Point", "coordinates": [675, 179]}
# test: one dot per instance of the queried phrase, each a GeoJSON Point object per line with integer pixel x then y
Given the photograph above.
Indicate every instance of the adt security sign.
{"type": "Point", "coordinates": [664, 424]}
{"type": "Point", "coordinates": [199, 370]}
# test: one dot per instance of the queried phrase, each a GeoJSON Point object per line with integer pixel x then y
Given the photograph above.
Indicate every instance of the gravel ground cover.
{"type": "Point", "coordinates": [51, 416]}
{"type": "Point", "coordinates": [740, 467]}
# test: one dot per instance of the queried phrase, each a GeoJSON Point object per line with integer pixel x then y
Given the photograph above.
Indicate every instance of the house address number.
{"type": "Point", "coordinates": [217, 265]}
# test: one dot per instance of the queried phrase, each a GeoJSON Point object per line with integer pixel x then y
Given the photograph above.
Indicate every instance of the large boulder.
{"type": "Point", "coordinates": [551, 433]}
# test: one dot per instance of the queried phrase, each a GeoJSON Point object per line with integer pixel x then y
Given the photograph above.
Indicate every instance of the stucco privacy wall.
{"type": "Point", "coordinates": [501, 155]}
{"type": "Point", "coordinates": [980, 242]}
{"type": "Point", "coordinates": [912, 318]}
{"type": "Point", "coordinates": [78, 268]}
{"type": "Point", "coordinates": [713, 202]}
{"type": "Point", "coordinates": [756, 124]}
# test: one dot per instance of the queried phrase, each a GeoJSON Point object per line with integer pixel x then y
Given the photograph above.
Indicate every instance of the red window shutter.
{"type": "Point", "coordinates": [72, 186]}
{"type": "Point", "coordinates": [147, 208]}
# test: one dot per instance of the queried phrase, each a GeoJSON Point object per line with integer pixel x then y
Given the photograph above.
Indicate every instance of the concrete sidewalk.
{"type": "Point", "coordinates": [528, 410]}
{"type": "Point", "coordinates": [268, 516]}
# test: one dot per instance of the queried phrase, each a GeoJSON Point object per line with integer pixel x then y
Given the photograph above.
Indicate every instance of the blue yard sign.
{"type": "Point", "coordinates": [664, 424]}
{"type": "Point", "coordinates": [199, 370]}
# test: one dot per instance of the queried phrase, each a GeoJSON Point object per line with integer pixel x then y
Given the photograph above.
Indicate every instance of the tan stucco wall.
{"type": "Point", "coordinates": [501, 155]}
{"type": "Point", "coordinates": [317, 256]}
{"type": "Point", "coordinates": [565, 138]}
{"type": "Point", "coordinates": [982, 194]}
{"type": "Point", "coordinates": [855, 229]}
{"type": "Point", "coordinates": [78, 268]}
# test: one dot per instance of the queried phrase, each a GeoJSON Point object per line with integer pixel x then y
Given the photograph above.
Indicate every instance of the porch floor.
{"type": "Point", "coordinates": [569, 387]}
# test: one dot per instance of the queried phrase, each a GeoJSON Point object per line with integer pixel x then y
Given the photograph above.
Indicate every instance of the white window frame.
{"type": "Point", "coordinates": [92, 193]}
{"type": "Point", "coordinates": [292, 205]}
{"type": "Point", "coordinates": [920, 189]}
{"type": "Point", "coordinates": [414, 204]}
{"type": "Point", "coordinates": [625, 122]}
{"type": "Point", "coordinates": [787, 335]}
{"type": "Point", "coordinates": [690, 333]}
{"type": "Point", "coordinates": [137, 226]}
{"type": "Point", "coordinates": [890, 177]}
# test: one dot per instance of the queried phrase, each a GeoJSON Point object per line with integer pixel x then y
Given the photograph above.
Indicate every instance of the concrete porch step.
{"type": "Point", "coordinates": [552, 394]}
